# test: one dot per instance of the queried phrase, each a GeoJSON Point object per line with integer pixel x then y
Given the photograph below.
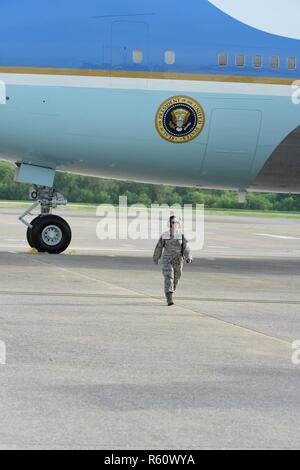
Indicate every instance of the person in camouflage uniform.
{"type": "Point", "coordinates": [173, 248]}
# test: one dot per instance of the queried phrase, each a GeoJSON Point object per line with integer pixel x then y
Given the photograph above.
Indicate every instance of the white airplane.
{"type": "Point", "coordinates": [199, 93]}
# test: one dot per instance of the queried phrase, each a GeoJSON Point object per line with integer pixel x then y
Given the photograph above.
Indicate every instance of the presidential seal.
{"type": "Point", "coordinates": [180, 119]}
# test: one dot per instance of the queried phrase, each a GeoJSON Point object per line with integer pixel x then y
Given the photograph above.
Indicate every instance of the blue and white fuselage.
{"type": "Point", "coordinates": [84, 82]}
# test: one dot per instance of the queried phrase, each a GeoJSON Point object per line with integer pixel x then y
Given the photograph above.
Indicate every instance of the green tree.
{"type": "Point", "coordinates": [81, 189]}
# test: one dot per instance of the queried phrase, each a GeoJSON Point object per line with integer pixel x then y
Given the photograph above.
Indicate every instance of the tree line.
{"type": "Point", "coordinates": [82, 189]}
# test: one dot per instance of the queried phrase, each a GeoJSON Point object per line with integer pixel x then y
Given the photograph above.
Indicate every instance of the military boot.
{"type": "Point", "coordinates": [169, 296]}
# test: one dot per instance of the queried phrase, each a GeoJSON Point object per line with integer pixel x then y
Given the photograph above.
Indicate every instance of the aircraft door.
{"type": "Point", "coordinates": [232, 144]}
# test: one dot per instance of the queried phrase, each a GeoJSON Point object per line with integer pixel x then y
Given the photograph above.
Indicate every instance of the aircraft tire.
{"type": "Point", "coordinates": [29, 234]}
{"type": "Point", "coordinates": [51, 234]}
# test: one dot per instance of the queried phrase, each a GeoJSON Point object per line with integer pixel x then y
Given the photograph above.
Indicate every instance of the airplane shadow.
{"type": "Point", "coordinates": [233, 265]}
{"type": "Point", "coordinates": [287, 266]}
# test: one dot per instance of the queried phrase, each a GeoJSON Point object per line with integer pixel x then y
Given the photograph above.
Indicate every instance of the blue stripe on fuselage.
{"type": "Point", "coordinates": [88, 35]}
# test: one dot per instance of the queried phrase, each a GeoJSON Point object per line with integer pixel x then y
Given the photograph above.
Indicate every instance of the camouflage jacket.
{"type": "Point", "coordinates": [172, 245]}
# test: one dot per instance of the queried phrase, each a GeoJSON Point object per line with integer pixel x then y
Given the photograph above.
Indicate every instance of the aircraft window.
{"type": "Point", "coordinates": [223, 60]}
{"type": "Point", "coordinates": [137, 56]}
{"type": "Point", "coordinates": [274, 62]}
{"type": "Point", "coordinates": [257, 61]}
{"type": "Point", "coordinates": [240, 60]}
{"type": "Point", "coordinates": [292, 63]}
{"type": "Point", "coordinates": [170, 57]}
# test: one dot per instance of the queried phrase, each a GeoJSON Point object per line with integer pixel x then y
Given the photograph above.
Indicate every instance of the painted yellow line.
{"type": "Point", "coordinates": [149, 75]}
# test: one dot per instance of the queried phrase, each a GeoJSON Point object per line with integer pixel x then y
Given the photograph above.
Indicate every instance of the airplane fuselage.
{"type": "Point", "coordinates": [85, 83]}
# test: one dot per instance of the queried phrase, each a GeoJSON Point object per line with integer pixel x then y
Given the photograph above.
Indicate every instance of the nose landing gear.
{"type": "Point", "coordinates": [47, 233]}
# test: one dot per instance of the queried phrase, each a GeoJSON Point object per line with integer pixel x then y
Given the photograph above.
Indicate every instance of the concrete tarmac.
{"type": "Point", "coordinates": [95, 359]}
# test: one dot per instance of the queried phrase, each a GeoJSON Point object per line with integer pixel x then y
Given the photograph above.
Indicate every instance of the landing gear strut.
{"type": "Point", "coordinates": [47, 232]}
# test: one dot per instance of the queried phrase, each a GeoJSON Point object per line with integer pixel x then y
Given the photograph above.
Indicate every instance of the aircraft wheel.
{"type": "Point", "coordinates": [29, 234]}
{"type": "Point", "coordinates": [51, 234]}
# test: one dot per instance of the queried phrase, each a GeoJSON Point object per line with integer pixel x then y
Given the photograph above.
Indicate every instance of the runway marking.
{"type": "Point", "coordinates": [128, 246]}
{"type": "Point", "coordinates": [216, 247]}
{"type": "Point", "coordinates": [135, 296]}
{"type": "Point", "coordinates": [281, 237]}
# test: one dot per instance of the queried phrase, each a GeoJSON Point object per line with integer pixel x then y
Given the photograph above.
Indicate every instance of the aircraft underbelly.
{"type": "Point", "coordinates": [111, 133]}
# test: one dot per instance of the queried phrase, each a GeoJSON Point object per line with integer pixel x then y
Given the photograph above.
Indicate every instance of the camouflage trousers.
{"type": "Point", "coordinates": [172, 271]}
